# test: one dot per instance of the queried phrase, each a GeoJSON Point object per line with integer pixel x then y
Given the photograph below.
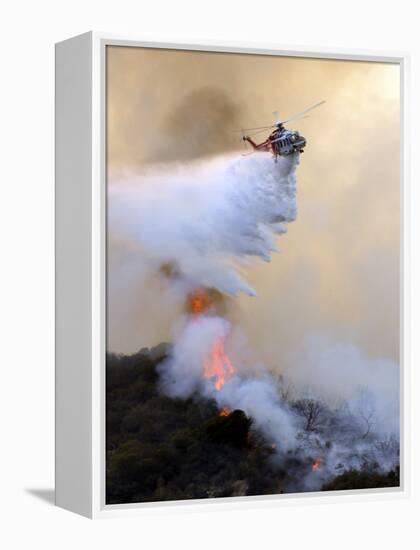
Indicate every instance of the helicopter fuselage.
{"type": "Point", "coordinates": [281, 142]}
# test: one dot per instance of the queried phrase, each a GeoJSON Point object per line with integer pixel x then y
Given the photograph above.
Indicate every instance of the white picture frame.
{"type": "Point", "coordinates": [80, 272]}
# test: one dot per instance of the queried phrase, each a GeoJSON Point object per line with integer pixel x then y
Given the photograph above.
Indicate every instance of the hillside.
{"type": "Point", "coordinates": [161, 448]}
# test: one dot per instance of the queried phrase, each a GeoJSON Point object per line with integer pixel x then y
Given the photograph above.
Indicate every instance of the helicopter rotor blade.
{"type": "Point", "coordinates": [259, 131]}
{"type": "Point", "coordinates": [257, 128]}
{"type": "Point", "coordinates": [298, 115]}
{"type": "Point", "coordinates": [250, 134]}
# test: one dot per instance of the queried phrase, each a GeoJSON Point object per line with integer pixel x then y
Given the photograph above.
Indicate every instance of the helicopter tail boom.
{"type": "Point", "coordinates": [265, 146]}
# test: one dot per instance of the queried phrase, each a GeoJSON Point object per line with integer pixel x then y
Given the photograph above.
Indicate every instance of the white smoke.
{"type": "Point", "coordinates": [182, 376]}
{"type": "Point", "coordinates": [358, 423]}
{"type": "Point", "coordinates": [208, 218]}
{"type": "Point", "coordinates": [338, 372]}
{"type": "Point", "coordinates": [183, 373]}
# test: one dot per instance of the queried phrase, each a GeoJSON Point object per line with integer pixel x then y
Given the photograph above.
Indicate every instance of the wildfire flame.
{"type": "Point", "coordinates": [316, 464]}
{"type": "Point", "coordinates": [198, 302]}
{"type": "Point", "coordinates": [225, 411]}
{"type": "Point", "coordinates": [217, 367]}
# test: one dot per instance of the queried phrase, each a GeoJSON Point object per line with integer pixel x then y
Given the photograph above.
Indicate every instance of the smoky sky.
{"type": "Point", "coordinates": [337, 272]}
{"type": "Point", "coordinates": [199, 124]}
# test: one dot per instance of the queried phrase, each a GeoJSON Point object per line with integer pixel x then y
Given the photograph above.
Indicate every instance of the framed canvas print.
{"type": "Point", "coordinates": [229, 274]}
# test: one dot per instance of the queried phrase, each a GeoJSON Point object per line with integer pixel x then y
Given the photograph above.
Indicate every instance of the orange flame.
{"type": "Point", "coordinates": [218, 366]}
{"type": "Point", "coordinates": [198, 302]}
{"type": "Point", "coordinates": [225, 411]}
{"type": "Point", "coordinates": [316, 464]}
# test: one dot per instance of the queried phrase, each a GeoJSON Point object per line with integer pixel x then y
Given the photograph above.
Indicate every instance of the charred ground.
{"type": "Point", "coordinates": [161, 448]}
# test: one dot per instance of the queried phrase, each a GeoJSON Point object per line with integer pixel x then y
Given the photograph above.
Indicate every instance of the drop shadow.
{"type": "Point", "coordinates": [47, 495]}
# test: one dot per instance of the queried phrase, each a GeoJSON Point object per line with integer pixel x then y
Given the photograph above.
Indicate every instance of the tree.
{"type": "Point", "coordinates": [232, 429]}
{"type": "Point", "coordinates": [311, 410]}
{"type": "Point", "coordinates": [355, 479]}
{"type": "Point", "coordinates": [366, 412]}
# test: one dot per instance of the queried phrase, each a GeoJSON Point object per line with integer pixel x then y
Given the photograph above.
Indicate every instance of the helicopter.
{"type": "Point", "coordinates": [281, 142]}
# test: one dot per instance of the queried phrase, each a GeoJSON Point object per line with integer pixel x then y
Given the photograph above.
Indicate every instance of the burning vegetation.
{"type": "Point", "coordinates": [206, 301]}
{"type": "Point", "coordinates": [164, 448]}
{"type": "Point", "coordinates": [168, 442]}
{"type": "Point", "coordinates": [316, 465]}
{"type": "Point", "coordinates": [198, 302]}
{"type": "Point", "coordinates": [217, 367]}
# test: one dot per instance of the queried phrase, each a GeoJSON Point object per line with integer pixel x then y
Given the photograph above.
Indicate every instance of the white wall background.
{"type": "Point", "coordinates": [28, 32]}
